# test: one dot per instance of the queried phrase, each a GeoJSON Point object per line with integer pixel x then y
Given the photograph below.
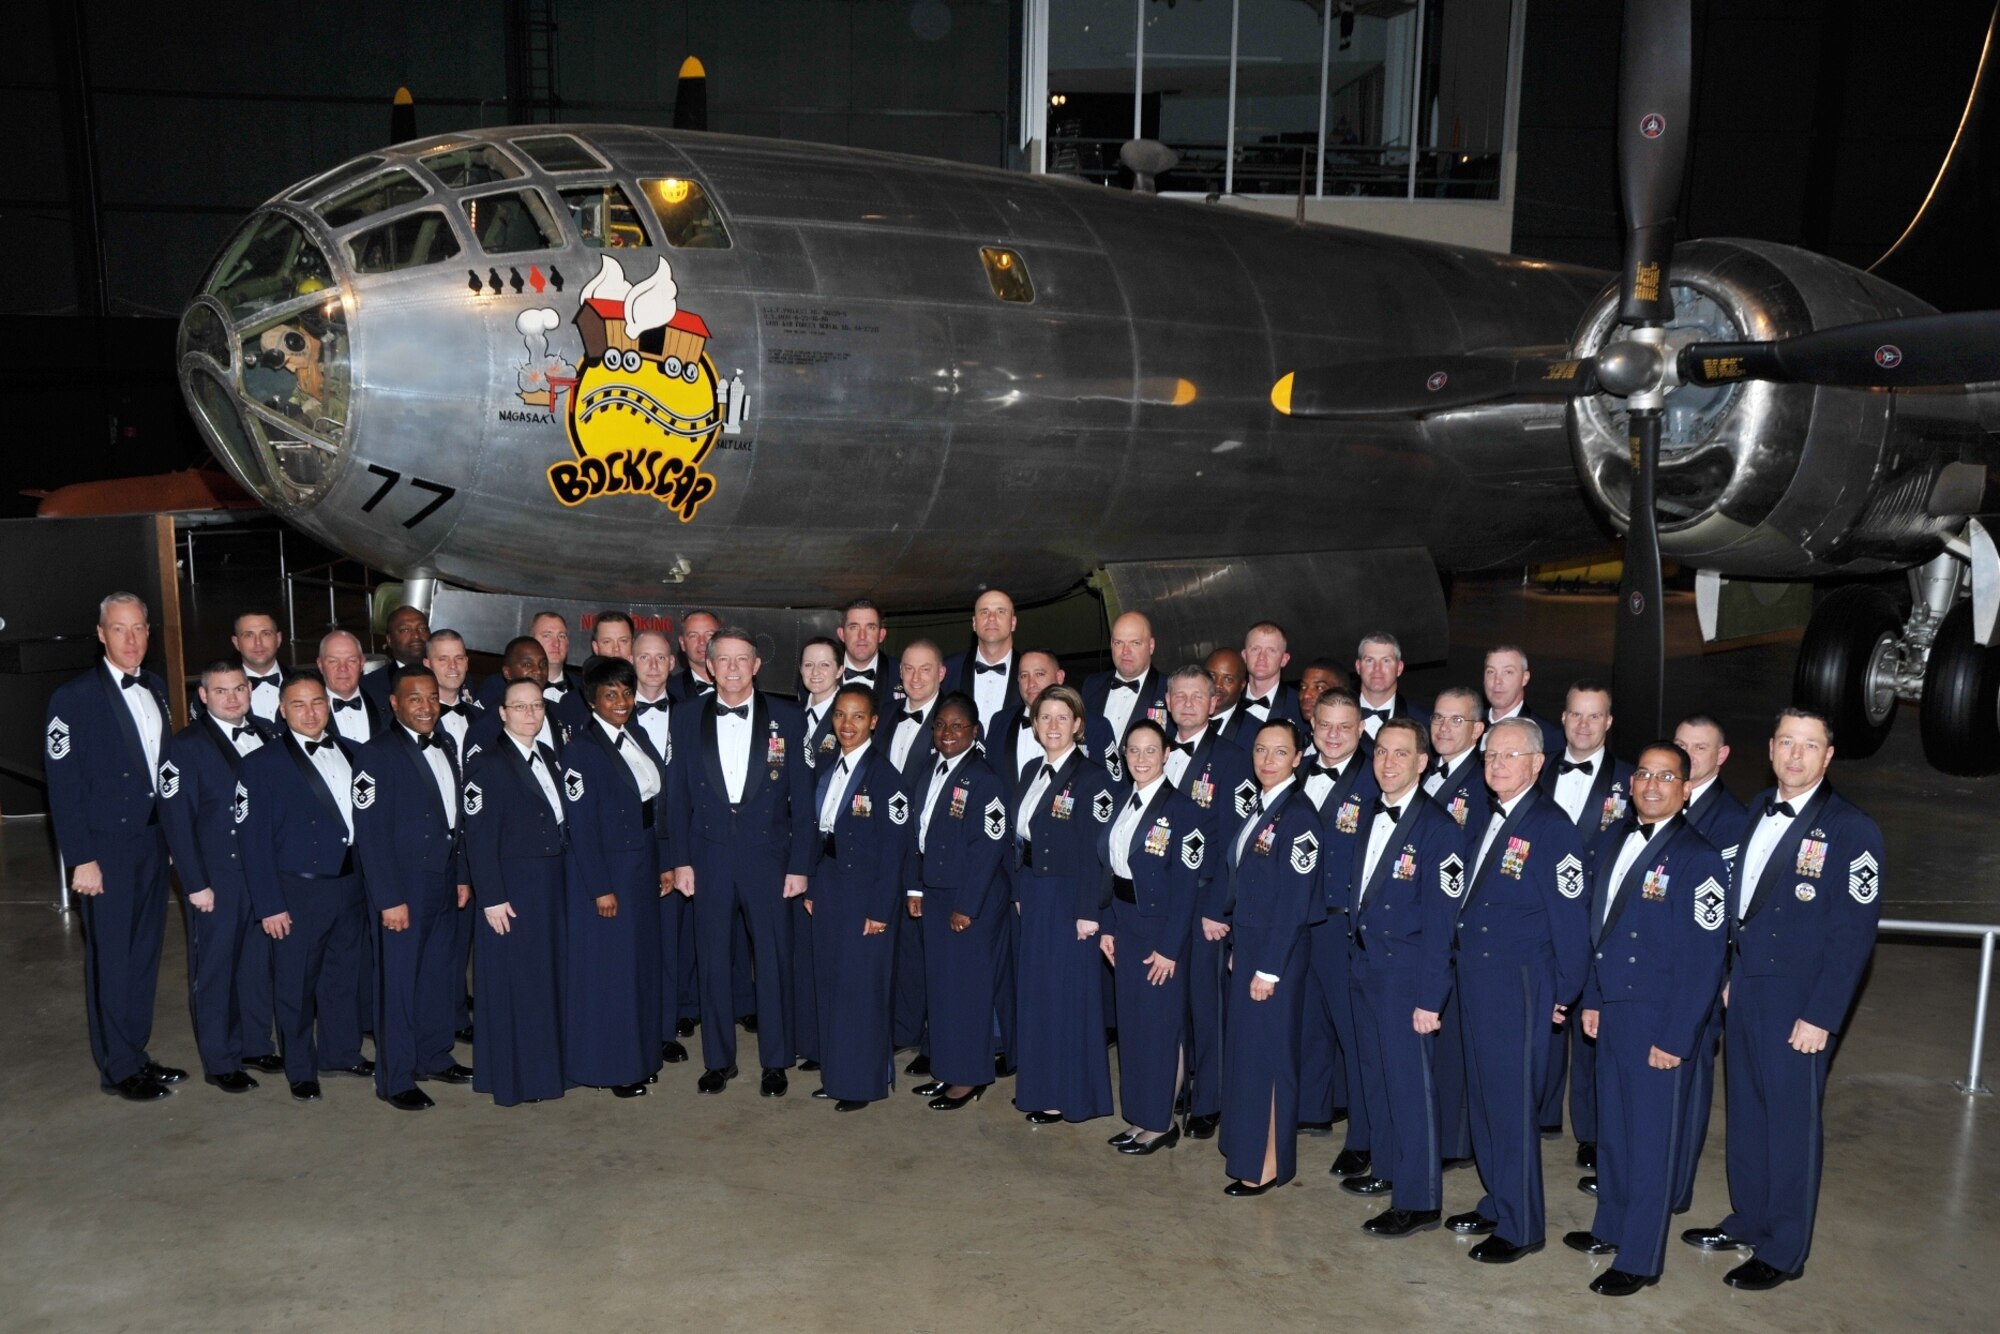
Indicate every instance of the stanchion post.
{"type": "Point", "coordinates": [1971, 1085]}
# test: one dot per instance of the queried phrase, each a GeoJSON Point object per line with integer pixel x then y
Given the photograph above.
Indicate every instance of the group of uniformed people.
{"type": "Point", "coordinates": [1287, 905]}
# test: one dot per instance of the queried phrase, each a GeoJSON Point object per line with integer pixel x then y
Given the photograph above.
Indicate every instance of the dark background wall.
{"type": "Point", "coordinates": [1818, 122]}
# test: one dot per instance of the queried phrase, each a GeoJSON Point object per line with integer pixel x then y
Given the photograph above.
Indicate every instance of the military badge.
{"type": "Point", "coordinates": [996, 819]}
{"type": "Point", "coordinates": [899, 809]}
{"type": "Point", "coordinates": [1157, 714]}
{"type": "Point", "coordinates": [58, 738]}
{"type": "Point", "coordinates": [1305, 853]}
{"type": "Point", "coordinates": [1709, 902]}
{"type": "Point", "coordinates": [958, 799]}
{"type": "Point", "coordinates": [475, 799]}
{"type": "Point", "coordinates": [1157, 839]}
{"type": "Point", "coordinates": [1864, 879]}
{"type": "Point", "coordinates": [1614, 810]}
{"type": "Point", "coordinates": [1729, 853]}
{"type": "Point", "coordinates": [1192, 847]}
{"type": "Point", "coordinates": [573, 784]}
{"type": "Point", "coordinates": [1063, 806]}
{"type": "Point", "coordinates": [1406, 864]}
{"type": "Point", "coordinates": [170, 780]}
{"type": "Point", "coordinates": [1515, 860]}
{"type": "Point", "coordinates": [472, 750]}
{"type": "Point", "coordinates": [364, 789]}
{"type": "Point", "coordinates": [774, 751]}
{"type": "Point", "coordinates": [1457, 809]}
{"type": "Point", "coordinates": [1812, 858]}
{"type": "Point", "coordinates": [1654, 887]}
{"type": "Point", "coordinates": [239, 809]}
{"type": "Point", "coordinates": [1804, 892]}
{"type": "Point", "coordinates": [1569, 874]}
{"type": "Point", "coordinates": [1451, 875]}
{"type": "Point", "coordinates": [863, 806]}
{"type": "Point", "coordinates": [1203, 793]}
{"type": "Point", "coordinates": [1265, 838]}
{"type": "Point", "coordinates": [1101, 807]}
{"type": "Point", "coordinates": [1348, 818]}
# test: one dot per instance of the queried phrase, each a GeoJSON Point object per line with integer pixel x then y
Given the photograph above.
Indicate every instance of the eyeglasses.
{"type": "Point", "coordinates": [1508, 756]}
{"type": "Point", "coordinates": [534, 706]}
{"type": "Point", "coordinates": [1452, 719]}
{"type": "Point", "coordinates": [1667, 776]}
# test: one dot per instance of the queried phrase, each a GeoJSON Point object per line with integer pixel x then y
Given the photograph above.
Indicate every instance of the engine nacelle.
{"type": "Point", "coordinates": [1787, 480]}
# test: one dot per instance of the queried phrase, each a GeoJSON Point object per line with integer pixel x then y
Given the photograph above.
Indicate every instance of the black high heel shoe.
{"type": "Point", "coordinates": [944, 1102]}
{"type": "Point", "coordinates": [1153, 1145]}
{"type": "Point", "coordinates": [1043, 1118]}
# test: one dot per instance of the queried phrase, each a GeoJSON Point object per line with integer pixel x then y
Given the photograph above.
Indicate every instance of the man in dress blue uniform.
{"type": "Point", "coordinates": [296, 804]}
{"type": "Point", "coordinates": [1400, 866]}
{"type": "Point", "coordinates": [611, 635]}
{"type": "Point", "coordinates": [1010, 742]}
{"type": "Point", "coordinates": [409, 633]}
{"type": "Point", "coordinates": [1800, 953]}
{"type": "Point", "coordinates": [406, 814]}
{"type": "Point", "coordinates": [652, 711]}
{"type": "Point", "coordinates": [1719, 816]}
{"type": "Point", "coordinates": [564, 688]}
{"type": "Point", "coordinates": [1378, 666]}
{"type": "Point", "coordinates": [1591, 785]}
{"type": "Point", "coordinates": [256, 638]}
{"type": "Point", "coordinates": [1132, 689]}
{"type": "Point", "coordinates": [905, 738]}
{"type": "Point", "coordinates": [356, 717]}
{"type": "Point", "coordinates": [445, 654]}
{"type": "Point", "coordinates": [103, 740]}
{"type": "Point", "coordinates": [861, 634]}
{"type": "Point", "coordinates": [1521, 949]}
{"type": "Point", "coordinates": [1506, 677]}
{"type": "Point", "coordinates": [1456, 781]}
{"type": "Point", "coordinates": [740, 812]}
{"type": "Point", "coordinates": [1266, 650]}
{"type": "Point", "coordinates": [1229, 672]}
{"type": "Point", "coordinates": [986, 671]}
{"type": "Point", "coordinates": [1657, 908]}
{"type": "Point", "coordinates": [698, 626]}
{"type": "Point", "coordinates": [1320, 675]}
{"type": "Point", "coordinates": [1215, 774]}
{"type": "Point", "coordinates": [229, 958]}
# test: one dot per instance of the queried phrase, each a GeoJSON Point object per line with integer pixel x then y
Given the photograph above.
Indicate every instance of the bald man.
{"type": "Point", "coordinates": [986, 671]}
{"type": "Point", "coordinates": [1131, 690]}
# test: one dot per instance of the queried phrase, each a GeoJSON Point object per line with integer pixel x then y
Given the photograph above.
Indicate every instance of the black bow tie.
{"type": "Point", "coordinates": [340, 704]}
{"type": "Point", "coordinates": [942, 766]}
{"type": "Point", "coordinates": [1264, 704]}
{"type": "Point", "coordinates": [1321, 771]}
{"type": "Point", "coordinates": [641, 707]}
{"type": "Point", "coordinates": [618, 741]}
{"type": "Point", "coordinates": [313, 747]}
{"type": "Point", "coordinates": [236, 733]}
{"type": "Point", "coordinates": [462, 709]}
{"type": "Point", "coordinates": [554, 691]}
{"type": "Point", "coordinates": [1783, 808]}
{"type": "Point", "coordinates": [1117, 684]}
{"type": "Point", "coordinates": [1494, 804]}
{"type": "Point", "coordinates": [910, 716]}
{"type": "Point", "coordinates": [1048, 772]}
{"type": "Point", "coordinates": [739, 711]}
{"type": "Point", "coordinates": [127, 682]}
{"type": "Point", "coordinates": [1644, 830]}
{"type": "Point", "coordinates": [859, 674]}
{"type": "Point", "coordinates": [1026, 723]}
{"type": "Point", "coordinates": [1186, 748]}
{"type": "Point", "coordinates": [1382, 714]}
{"type": "Point", "coordinates": [997, 668]}
{"type": "Point", "coordinates": [273, 681]}
{"type": "Point", "coordinates": [425, 740]}
{"type": "Point", "coordinates": [1568, 766]}
{"type": "Point", "coordinates": [1393, 812]}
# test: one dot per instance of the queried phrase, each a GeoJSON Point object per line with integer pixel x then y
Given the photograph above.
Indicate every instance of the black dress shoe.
{"type": "Point", "coordinates": [1315, 1127]}
{"type": "Point", "coordinates": [1140, 1147]}
{"type": "Point", "coordinates": [809, 1066]}
{"type": "Point", "coordinates": [306, 1090]}
{"type": "Point", "coordinates": [1350, 1163]}
{"type": "Point", "coordinates": [1713, 1239]}
{"type": "Point", "coordinates": [1500, 1251]}
{"type": "Point", "coordinates": [920, 1064]}
{"type": "Point", "coordinates": [268, 1065]}
{"type": "Point", "coordinates": [822, 1094]}
{"type": "Point", "coordinates": [1002, 1070]}
{"type": "Point", "coordinates": [411, 1099]}
{"type": "Point", "coordinates": [1122, 1137]}
{"type": "Point", "coordinates": [1402, 1222]}
{"type": "Point", "coordinates": [232, 1081]}
{"type": "Point", "coordinates": [1368, 1185]}
{"type": "Point", "coordinates": [636, 1089]}
{"type": "Point", "coordinates": [684, 1028]}
{"type": "Point", "coordinates": [849, 1105]}
{"type": "Point", "coordinates": [163, 1074]}
{"type": "Point", "coordinates": [714, 1081]}
{"type": "Point", "coordinates": [1589, 1243]}
{"type": "Point", "coordinates": [1618, 1283]}
{"type": "Point", "coordinates": [747, 1022]}
{"type": "Point", "coordinates": [1472, 1224]}
{"type": "Point", "coordinates": [1586, 1155]}
{"type": "Point", "coordinates": [361, 1069]}
{"type": "Point", "coordinates": [451, 1074]}
{"type": "Point", "coordinates": [1756, 1276]}
{"type": "Point", "coordinates": [1203, 1127]}
{"type": "Point", "coordinates": [138, 1088]}
{"type": "Point", "coordinates": [944, 1102]}
{"type": "Point", "coordinates": [1588, 1185]}
{"type": "Point", "coordinates": [774, 1085]}
{"type": "Point", "coordinates": [673, 1053]}
{"type": "Point", "coordinates": [930, 1090]}
{"type": "Point", "coordinates": [1043, 1118]}
{"type": "Point", "coordinates": [464, 1034]}
{"type": "Point", "coordinates": [1243, 1190]}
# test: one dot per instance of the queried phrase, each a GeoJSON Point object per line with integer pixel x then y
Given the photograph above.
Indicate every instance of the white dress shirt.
{"type": "Point", "coordinates": [1766, 833]}
{"type": "Point", "coordinates": [441, 774]}
{"type": "Point", "coordinates": [1221, 720]}
{"type": "Point", "coordinates": [241, 735]}
{"type": "Point", "coordinates": [1119, 703]}
{"type": "Point", "coordinates": [352, 724]}
{"type": "Point", "coordinates": [1031, 802]}
{"type": "Point", "coordinates": [1027, 749]}
{"type": "Point", "coordinates": [454, 725]}
{"type": "Point", "coordinates": [264, 695]}
{"type": "Point", "coordinates": [904, 738]}
{"type": "Point", "coordinates": [872, 670]}
{"type": "Point", "coordinates": [1179, 760]}
{"type": "Point", "coordinates": [1573, 788]}
{"type": "Point", "coordinates": [836, 787]}
{"type": "Point", "coordinates": [815, 712]}
{"type": "Point", "coordinates": [1379, 833]}
{"type": "Point", "coordinates": [989, 689]}
{"type": "Point", "coordinates": [1318, 784]}
{"type": "Point", "coordinates": [1493, 716]}
{"type": "Point", "coordinates": [941, 773]}
{"type": "Point", "coordinates": [543, 780]}
{"type": "Point", "coordinates": [145, 711]}
{"type": "Point", "coordinates": [732, 745]}
{"type": "Point", "coordinates": [656, 722]}
{"type": "Point", "coordinates": [1126, 824]}
{"type": "Point", "coordinates": [1499, 818]}
{"type": "Point", "coordinates": [338, 774]}
{"type": "Point", "coordinates": [644, 772]}
{"type": "Point", "coordinates": [1445, 775]}
{"type": "Point", "coordinates": [1628, 852]}
{"type": "Point", "coordinates": [1373, 725]}
{"type": "Point", "coordinates": [1257, 703]}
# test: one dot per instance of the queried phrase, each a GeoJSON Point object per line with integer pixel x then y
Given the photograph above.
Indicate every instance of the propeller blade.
{"type": "Point", "coordinates": [1639, 650]}
{"type": "Point", "coordinates": [1403, 386]}
{"type": "Point", "coordinates": [691, 97]}
{"type": "Point", "coordinates": [1921, 351]}
{"type": "Point", "coordinates": [1655, 94]}
{"type": "Point", "coordinates": [402, 117]}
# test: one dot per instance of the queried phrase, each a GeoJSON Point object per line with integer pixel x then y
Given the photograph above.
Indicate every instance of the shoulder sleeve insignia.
{"type": "Point", "coordinates": [1305, 852]}
{"type": "Point", "coordinates": [899, 809]}
{"type": "Point", "coordinates": [1569, 876]}
{"type": "Point", "coordinates": [1451, 875]}
{"type": "Point", "coordinates": [475, 799]}
{"type": "Point", "coordinates": [1101, 807]}
{"type": "Point", "coordinates": [472, 750]}
{"type": "Point", "coordinates": [807, 753]}
{"type": "Point", "coordinates": [239, 809]}
{"type": "Point", "coordinates": [1192, 847]}
{"type": "Point", "coordinates": [170, 779]}
{"type": "Point", "coordinates": [1864, 879]}
{"type": "Point", "coordinates": [1245, 793]}
{"type": "Point", "coordinates": [364, 790]}
{"type": "Point", "coordinates": [996, 819]}
{"type": "Point", "coordinates": [573, 785]}
{"type": "Point", "coordinates": [1113, 766]}
{"type": "Point", "coordinates": [58, 738]}
{"type": "Point", "coordinates": [1729, 853]}
{"type": "Point", "coordinates": [1710, 905]}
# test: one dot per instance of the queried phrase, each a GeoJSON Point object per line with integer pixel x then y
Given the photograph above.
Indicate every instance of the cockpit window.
{"type": "Point", "coordinates": [327, 180]}
{"type": "Point", "coordinates": [470, 164]}
{"type": "Point", "coordinates": [506, 223]}
{"type": "Point", "coordinates": [271, 260]}
{"type": "Point", "coordinates": [372, 196]}
{"type": "Point", "coordinates": [687, 219]}
{"type": "Point", "coordinates": [410, 242]}
{"type": "Point", "coordinates": [297, 368]}
{"type": "Point", "coordinates": [605, 216]}
{"type": "Point", "coordinates": [1007, 273]}
{"type": "Point", "coordinates": [559, 152]}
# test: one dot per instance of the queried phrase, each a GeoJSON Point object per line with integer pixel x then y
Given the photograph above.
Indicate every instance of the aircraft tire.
{"type": "Point", "coordinates": [1960, 714]}
{"type": "Point", "coordinates": [1838, 673]}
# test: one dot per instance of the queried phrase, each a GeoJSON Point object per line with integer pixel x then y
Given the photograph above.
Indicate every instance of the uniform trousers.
{"type": "Point", "coordinates": [314, 971]}
{"type": "Point", "coordinates": [123, 930]}
{"type": "Point", "coordinates": [1642, 1115]}
{"type": "Point", "coordinates": [1776, 1137]}
{"type": "Point", "coordinates": [414, 987]}
{"type": "Point", "coordinates": [1507, 1011]}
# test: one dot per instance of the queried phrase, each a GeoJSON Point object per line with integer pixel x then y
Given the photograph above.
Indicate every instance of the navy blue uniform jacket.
{"type": "Point", "coordinates": [1664, 941]}
{"type": "Point", "coordinates": [400, 822]}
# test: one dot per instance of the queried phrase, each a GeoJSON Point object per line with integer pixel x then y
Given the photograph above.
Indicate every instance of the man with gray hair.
{"type": "Point", "coordinates": [103, 741]}
{"type": "Point", "coordinates": [356, 715]}
{"type": "Point", "coordinates": [1378, 665]}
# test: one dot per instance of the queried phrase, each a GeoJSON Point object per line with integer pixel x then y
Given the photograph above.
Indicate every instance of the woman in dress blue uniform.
{"type": "Point", "coordinates": [959, 888]}
{"type": "Point", "coordinates": [1275, 895]}
{"type": "Point", "coordinates": [1154, 850]}
{"type": "Point", "coordinates": [857, 886]}
{"type": "Point", "coordinates": [516, 839]}
{"type": "Point", "coordinates": [612, 781]}
{"type": "Point", "coordinates": [1060, 888]}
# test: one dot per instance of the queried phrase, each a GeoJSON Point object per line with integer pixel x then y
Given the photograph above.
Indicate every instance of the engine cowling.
{"type": "Point", "coordinates": [1788, 480]}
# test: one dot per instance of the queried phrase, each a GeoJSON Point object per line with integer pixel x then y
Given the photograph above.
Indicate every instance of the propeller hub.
{"type": "Point", "coordinates": [1629, 368]}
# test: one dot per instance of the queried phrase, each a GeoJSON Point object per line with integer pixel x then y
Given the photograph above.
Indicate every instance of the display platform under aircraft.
{"type": "Point", "coordinates": [642, 367]}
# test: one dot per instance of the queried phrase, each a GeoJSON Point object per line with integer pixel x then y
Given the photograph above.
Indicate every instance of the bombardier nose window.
{"type": "Point", "coordinates": [271, 261]}
{"type": "Point", "coordinates": [297, 368]}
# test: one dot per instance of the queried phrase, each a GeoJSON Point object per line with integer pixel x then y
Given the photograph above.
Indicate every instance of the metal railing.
{"type": "Point", "coordinates": [1971, 1084]}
